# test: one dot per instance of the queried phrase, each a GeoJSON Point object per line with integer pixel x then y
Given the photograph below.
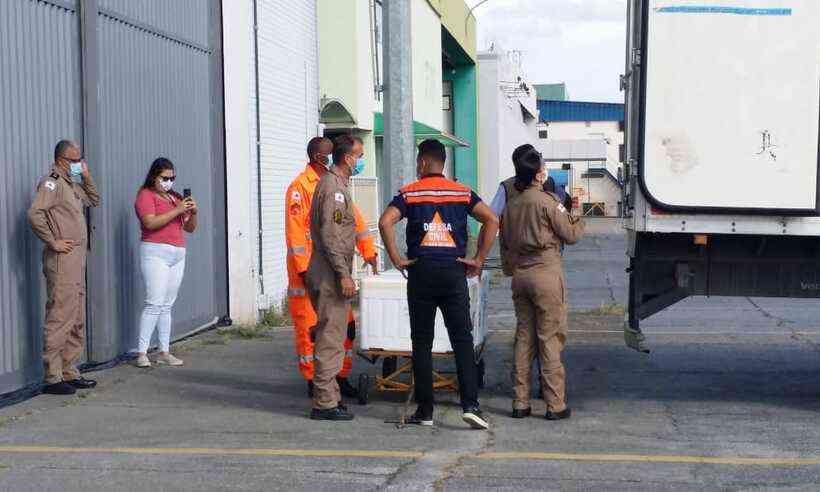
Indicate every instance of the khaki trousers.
{"type": "Point", "coordinates": [330, 333]}
{"type": "Point", "coordinates": [64, 330]}
{"type": "Point", "coordinates": [541, 312]}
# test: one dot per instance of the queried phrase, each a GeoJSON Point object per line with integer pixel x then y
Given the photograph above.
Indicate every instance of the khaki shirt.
{"type": "Point", "coordinates": [533, 227]}
{"type": "Point", "coordinates": [58, 211]}
{"type": "Point", "coordinates": [333, 223]}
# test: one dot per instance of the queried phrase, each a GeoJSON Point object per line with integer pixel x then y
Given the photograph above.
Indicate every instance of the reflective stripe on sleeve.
{"type": "Point", "coordinates": [299, 250]}
{"type": "Point", "coordinates": [296, 292]}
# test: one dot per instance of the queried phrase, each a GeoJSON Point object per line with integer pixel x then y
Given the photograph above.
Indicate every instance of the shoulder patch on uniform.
{"type": "Point", "coordinates": [337, 216]}
{"type": "Point", "coordinates": [561, 208]}
{"type": "Point", "coordinates": [295, 195]}
{"type": "Point", "coordinates": [50, 185]}
{"type": "Point", "coordinates": [340, 197]}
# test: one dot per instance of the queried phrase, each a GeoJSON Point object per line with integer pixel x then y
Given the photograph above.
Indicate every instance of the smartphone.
{"type": "Point", "coordinates": [186, 193]}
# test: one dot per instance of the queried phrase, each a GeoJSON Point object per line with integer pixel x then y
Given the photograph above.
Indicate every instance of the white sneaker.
{"type": "Point", "coordinates": [169, 360]}
{"type": "Point", "coordinates": [475, 418]}
{"type": "Point", "coordinates": [143, 361]}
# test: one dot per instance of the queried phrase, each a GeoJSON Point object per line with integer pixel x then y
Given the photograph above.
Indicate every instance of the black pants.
{"type": "Point", "coordinates": [434, 285]}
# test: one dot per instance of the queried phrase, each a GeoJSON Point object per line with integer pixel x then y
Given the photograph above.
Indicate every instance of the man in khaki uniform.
{"type": "Point", "coordinates": [57, 217]}
{"type": "Point", "coordinates": [329, 277]}
{"type": "Point", "coordinates": [533, 227]}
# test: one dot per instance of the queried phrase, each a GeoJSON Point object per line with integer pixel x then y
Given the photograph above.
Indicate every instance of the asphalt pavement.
{"type": "Point", "coordinates": [727, 400]}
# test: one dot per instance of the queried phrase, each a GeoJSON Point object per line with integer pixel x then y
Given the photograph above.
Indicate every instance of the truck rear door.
{"type": "Point", "coordinates": [731, 105]}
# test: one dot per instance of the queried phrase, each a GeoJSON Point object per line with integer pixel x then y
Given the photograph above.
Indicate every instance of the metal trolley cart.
{"type": "Point", "coordinates": [385, 335]}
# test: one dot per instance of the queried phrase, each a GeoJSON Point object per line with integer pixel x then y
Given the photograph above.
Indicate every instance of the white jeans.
{"type": "Point", "coordinates": [162, 267]}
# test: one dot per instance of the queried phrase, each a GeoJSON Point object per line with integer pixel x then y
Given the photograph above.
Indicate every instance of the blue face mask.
{"type": "Point", "coordinates": [76, 169]}
{"type": "Point", "coordinates": [359, 167]}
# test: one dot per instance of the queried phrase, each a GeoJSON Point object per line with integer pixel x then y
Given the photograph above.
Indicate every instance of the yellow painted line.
{"type": "Point", "coordinates": [643, 458]}
{"type": "Point", "coordinates": [356, 453]}
{"type": "Point", "coordinates": [296, 453]}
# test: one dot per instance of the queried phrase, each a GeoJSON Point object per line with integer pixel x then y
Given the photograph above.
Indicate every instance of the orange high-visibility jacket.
{"type": "Point", "coordinates": [297, 227]}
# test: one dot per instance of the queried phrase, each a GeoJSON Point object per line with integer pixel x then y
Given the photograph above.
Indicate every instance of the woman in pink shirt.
{"type": "Point", "coordinates": [164, 216]}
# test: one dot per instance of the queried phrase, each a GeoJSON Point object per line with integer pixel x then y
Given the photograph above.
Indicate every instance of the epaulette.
{"type": "Point", "coordinates": [54, 176]}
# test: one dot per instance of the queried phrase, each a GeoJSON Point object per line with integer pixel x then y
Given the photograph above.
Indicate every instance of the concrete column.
{"type": "Point", "coordinates": [242, 232]}
{"type": "Point", "coordinates": [399, 140]}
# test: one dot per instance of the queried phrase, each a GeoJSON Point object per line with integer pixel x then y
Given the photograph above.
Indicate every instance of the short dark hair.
{"type": "Point", "coordinates": [314, 144]}
{"type": "Point", "coordinates": [434, 150]}
{"type": "Point", "coordinates": [61, 147]}
{"type": "Point", "coordinates": [342, 146]}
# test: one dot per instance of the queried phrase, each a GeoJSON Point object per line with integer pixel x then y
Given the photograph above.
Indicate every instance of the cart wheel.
{"type": "Point", "coordinates": [482, 381]}
{"type": "Point", "coordinates": [389, 365]}
{"type": "Point", "coordinates": [364, 388]}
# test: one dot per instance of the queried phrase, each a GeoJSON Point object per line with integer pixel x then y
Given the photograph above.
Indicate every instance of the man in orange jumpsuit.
{"type": "Point", "coordinates": [297, 235]}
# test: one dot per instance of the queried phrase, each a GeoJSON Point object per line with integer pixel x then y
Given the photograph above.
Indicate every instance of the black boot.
{"type": "Point", "coordinates": [82, 383]}
{"type": "Point", "coordinates": [61, 388]}
{"type": "Point", "coordinates": [518, 413]}
{"type": "Point", "coordinates": [337, 414]}
{"type": "Point", "coordinates": [565, 414]}
{"type": "Point", "coordinates": [346, 388]}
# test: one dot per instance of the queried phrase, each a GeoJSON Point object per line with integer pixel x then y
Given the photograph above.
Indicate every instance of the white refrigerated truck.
{"type": "Point", "coordinates": [723, 152]}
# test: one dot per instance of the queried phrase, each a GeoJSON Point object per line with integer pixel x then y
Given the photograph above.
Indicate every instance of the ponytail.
{"type": "Point", "coordinates": [527, 168]}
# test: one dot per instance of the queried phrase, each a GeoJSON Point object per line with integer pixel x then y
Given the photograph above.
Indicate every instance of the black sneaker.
{"type": "Point", "coordinates": [82, 383]}
{"type": "Point", "coordinates": [61, 388]}
{"type": "Point", "coordinates": [346, 388]}
{"type": "Point", "coordinates": [335, 414]}
{"type": "Point", "coordinates": [310, 389]}
{"type": "Point", "coordinates": [420, 418]}
{"type": "Point", "coordinates": [475, 418]}
{"type": "Point", "coordinates": [518, 413]}
{"type": "Point", "coordinates": [565, 414]}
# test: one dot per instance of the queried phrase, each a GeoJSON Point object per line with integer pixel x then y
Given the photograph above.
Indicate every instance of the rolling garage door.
{"type": "Point", "coordinates": [40, 93]}
{"type": "Point", "coordinates": [131, 80]}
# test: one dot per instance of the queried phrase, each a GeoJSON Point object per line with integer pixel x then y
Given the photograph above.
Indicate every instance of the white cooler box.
{"type": "Point", "coordinates": [385, 320]}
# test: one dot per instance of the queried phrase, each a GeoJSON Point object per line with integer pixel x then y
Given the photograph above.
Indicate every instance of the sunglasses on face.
{"type": "Point", "coordinates": [166, 179]}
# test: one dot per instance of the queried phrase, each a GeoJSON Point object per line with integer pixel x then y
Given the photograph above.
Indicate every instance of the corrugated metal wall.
{"type": "Point", "coordinates": [579, 111]}
{"type": "Point", "coordinates": [289, 114]}
{"type": "Point", "coordinates": [154, 101]}
{"type": "Point", "coordinates": [154, 67]}
{"type": "Point", "coordinates": [39, 105]}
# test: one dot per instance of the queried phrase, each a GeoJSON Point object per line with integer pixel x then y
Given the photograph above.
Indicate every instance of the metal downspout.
{"type": "Point", "coordinates": [258, 147]}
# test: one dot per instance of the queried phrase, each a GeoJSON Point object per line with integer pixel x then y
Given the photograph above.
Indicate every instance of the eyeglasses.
{"type": "Point", "coordinates": [167, 178]}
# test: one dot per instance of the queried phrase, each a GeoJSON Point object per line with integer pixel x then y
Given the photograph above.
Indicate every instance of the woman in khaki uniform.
{"type": "Point", "coordinates": [533, 228]}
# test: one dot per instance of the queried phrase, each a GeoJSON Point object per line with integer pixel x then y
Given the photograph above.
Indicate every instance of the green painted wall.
{"type": "Point", "coordinates": [465, 126]}
{"type": "Point", "coordinates": [465, 122]}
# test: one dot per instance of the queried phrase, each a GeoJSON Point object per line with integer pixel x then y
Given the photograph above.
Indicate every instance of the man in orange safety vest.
{"type": "Point", "coordinates": [297, 236]}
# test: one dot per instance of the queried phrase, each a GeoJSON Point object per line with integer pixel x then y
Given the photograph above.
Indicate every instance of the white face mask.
{"type": "Point", "coordinates": [166, 185]}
